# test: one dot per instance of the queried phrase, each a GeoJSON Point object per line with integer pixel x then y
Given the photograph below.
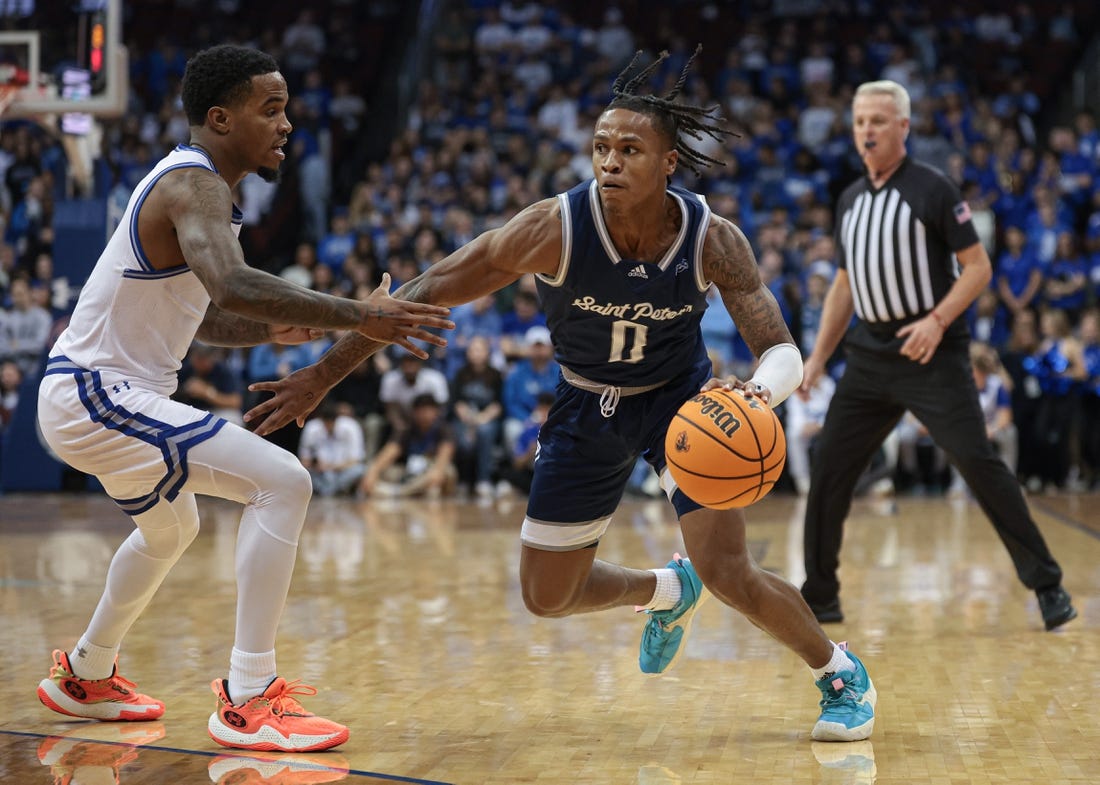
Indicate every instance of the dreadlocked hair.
{"type": "Point", "coordinates": [673, 119]}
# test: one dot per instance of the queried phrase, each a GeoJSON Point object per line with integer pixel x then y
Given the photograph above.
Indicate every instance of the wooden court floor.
{"type": "Point", "coordinates": [408, 618]}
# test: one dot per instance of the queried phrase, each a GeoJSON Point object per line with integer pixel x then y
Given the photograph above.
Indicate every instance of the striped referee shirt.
{"type": "Point", "coordinates": [898, 244]}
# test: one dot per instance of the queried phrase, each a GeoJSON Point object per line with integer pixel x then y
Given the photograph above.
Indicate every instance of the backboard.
{"type": "Point", "coordinates": [65, 56]}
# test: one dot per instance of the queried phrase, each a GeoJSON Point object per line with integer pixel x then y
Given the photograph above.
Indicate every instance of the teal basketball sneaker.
{"type": "Point", "coordinates": [847, 705]}
{"type": "Point", "coordinates": [665, 632]}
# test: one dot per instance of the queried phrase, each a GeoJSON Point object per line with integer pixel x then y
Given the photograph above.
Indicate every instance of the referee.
{"type": "Point", "coordinates": [897, 230]}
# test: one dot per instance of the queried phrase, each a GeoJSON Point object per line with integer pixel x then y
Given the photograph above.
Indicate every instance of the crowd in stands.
{"type": "Point", "coordinates": [502, 117]}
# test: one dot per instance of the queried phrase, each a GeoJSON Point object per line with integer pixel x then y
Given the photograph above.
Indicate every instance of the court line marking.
{"type": "Point", "coordinates": [227, 751]}
{"type": "Point", "coordinates": [1066, 520]}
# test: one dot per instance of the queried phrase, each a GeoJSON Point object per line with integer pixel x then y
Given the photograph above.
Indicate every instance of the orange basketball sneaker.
{"type": "Point", "coordinates": [112, 699]}
{"type": "Point", "coordinates": [273, 720]}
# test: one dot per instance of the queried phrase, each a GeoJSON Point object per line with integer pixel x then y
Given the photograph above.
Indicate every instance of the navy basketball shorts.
{"type": "Point", "coordinates": [585, 460]}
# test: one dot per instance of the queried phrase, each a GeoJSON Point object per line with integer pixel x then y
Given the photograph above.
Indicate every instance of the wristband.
{"type": "Point", "coordinates": [780, 370]}
{"type": "Point", "coordinates": [939, 320]}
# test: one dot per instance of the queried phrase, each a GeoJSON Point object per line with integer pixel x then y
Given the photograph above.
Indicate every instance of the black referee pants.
{"type": "Point", "coordinates": [870, 398]}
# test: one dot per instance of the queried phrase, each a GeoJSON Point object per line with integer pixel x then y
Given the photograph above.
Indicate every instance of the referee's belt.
{"type": "Point", "coordinates": [609, 393]}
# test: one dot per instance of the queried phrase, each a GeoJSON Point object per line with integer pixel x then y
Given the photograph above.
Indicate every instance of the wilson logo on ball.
{"type": "Point", "coordinates": [723, 417]}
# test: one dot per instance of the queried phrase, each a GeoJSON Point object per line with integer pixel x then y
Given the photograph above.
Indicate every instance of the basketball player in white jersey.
{"type": "Point", "coordinates": [174, 271]}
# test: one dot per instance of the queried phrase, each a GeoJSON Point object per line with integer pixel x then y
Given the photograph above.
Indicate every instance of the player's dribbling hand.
{"type": "Point", "coordinates": [748, 389]}
{"type": "Point", "coordinates": [295, 397]}
{"type": "Point", "coordinates": [396, 321]}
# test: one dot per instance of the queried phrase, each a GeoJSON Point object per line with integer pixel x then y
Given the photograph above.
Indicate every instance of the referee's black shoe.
{"type": "Point", "coordinates": [1055, 606]}
{"type": "Point", "coordinates": [829, 612]}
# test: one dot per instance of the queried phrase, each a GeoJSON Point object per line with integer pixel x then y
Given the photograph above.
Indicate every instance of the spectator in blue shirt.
{"type": "Point", "coordinates": [206, 382]}
{"type": "Point", "coordinates": [1017, 202]}
{"type": "Point", "coordinates": [516, 323]}
{"type": "Point", "coordinates": [1088, 136]}
{"type": "Point", "coordinates": [477, 415]}
{"type": "Point", "coordinates": [477, 318]}
{"type": "Point", "coordinates": [338, 243]}
{"type": "Point", "coordinates": [271, 361]}
{"type": "Point", "coordinates": [979, 169]}
{"type": "Point", "coordinates": [537, 373]}
{"type": "Point", "coordinates": [987, 320]}
{"type": "Point", "coordinates": [1043, 228]}
{"type": "Point", "coordinates": [1076, 171]}
{"type": "Point", "coordinates": [771, 273]}
{"type": "Point", "coordinates": [521, 468]}
{"type": "Point", "coordinates": [819, 275]}
{"type": "Point", "coordinates": [1019, 276]}
{"type": "Point", "coordinates": [317, 97]}
{"type": "Point", "coordinates": [1065, 281]}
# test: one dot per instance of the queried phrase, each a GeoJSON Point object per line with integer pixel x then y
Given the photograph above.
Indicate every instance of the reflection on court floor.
{"type": "Point", "coordinates": [408, 618]}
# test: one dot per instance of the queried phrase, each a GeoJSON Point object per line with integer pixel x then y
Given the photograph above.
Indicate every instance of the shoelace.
{"type": "Point", "coordinates": [846, 693]}
{"type": "Point", "coordinates": [609, 400]}
{"type": "Point", "coordinates": [125, 686]}
{"type": "Point", "coordinates": [285, 703]}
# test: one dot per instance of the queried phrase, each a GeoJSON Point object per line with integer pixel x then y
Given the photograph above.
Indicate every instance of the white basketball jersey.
{"type": "Point", "coordinates": [133, 321]}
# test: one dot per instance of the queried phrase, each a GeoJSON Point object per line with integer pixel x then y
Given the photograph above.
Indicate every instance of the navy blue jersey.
{"type": "Point", "coordinates": [626, 322]}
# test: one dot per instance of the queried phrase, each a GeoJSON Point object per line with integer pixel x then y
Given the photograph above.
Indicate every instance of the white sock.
{"type": "Point", "coordinates": [840, 662]}
{"type": "Point", "coordinates": [249, 674]}
{"type": "Point", "coordinates": [667, 593]}
{"type": "Point", "coordinates": [92, 662]}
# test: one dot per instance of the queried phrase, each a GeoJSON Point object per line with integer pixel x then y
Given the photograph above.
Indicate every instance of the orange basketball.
{"type": "Point", "coordinates": [725, 450]}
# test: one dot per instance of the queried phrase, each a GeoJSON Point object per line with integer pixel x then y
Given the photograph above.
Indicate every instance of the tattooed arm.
{"type": "Point", "coordinates": [529, 243]}
{"type": "Point", "coordinates": [221, 328]}
{"type": "Point", "coordinates": [450, 281]}
{"type": "Point", "coordinates": [194, 202]}
{"type": "Point", "coordinates": [729, 263]}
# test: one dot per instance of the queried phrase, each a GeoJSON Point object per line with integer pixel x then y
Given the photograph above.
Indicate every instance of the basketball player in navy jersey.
{"type": "Point", "coordinates": [623, 263]}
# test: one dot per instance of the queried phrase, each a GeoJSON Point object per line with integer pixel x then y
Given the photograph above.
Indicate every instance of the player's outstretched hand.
{"type": "Point", "coordinates": [396, 321]}
{"type": "Point", "coordinates": [295, 397]}
{"type": "Point", "coordinates": [748, 389]}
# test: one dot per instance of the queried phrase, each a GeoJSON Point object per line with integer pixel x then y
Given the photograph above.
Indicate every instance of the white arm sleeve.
{"type": "Point", "coordinates": [780, 370]}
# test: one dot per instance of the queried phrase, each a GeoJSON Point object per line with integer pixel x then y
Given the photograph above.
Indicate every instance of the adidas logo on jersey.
{"type": "Point", "coordinates": [638, 272]}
